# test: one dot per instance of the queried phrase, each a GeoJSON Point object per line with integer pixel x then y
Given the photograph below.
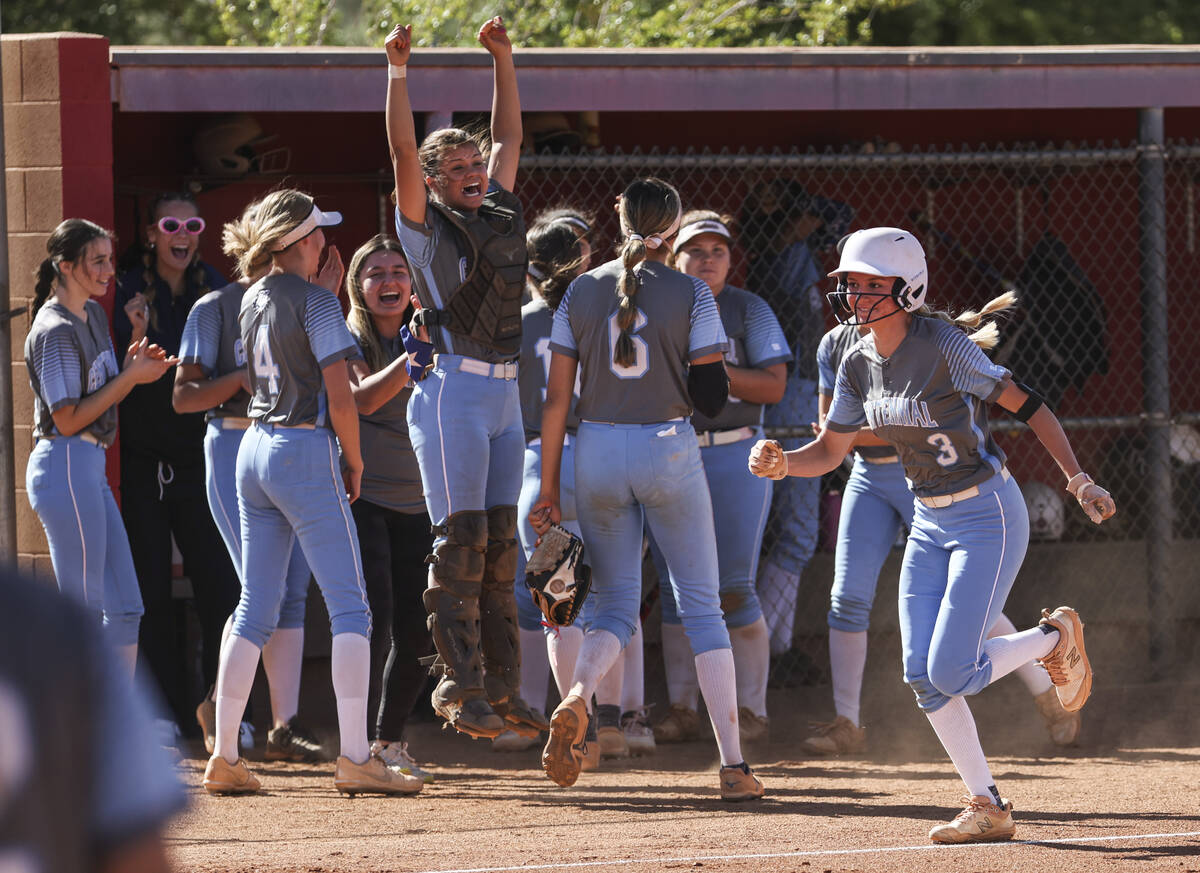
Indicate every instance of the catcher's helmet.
{"type": "Point", "coordinates": [881, 251]}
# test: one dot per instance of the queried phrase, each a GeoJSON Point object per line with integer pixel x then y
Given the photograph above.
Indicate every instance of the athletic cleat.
{"type": "Point", "coordinates": [563, 756]}
{"type": "Point", "coordinates": [1068, 663]}
{"type": "Point", "coordinates": [639, 736]}
{"type": "Point", "coordinates": [291, 742]}
{"type": "Point", "coordinates": [838, 737]}
{"type": "Point", "coordinates": [739, 783]}
{"type": "Point", "coordinates": [396, 757]}
{"type": "Point", "coordinates": [981, 822]}
{"type": "Point", "coordinates": [681, 725]}
{"type": "Point", "coordinates": [473, 716]}
{"type": "Point", "coordinates": [1063, 726]}
{"type": "Point", "coordinates": [221, 777]}
{"type": "Point", "coordinates": [591, 748]}
{"type": "Point", "coordinates": [511, 741]}
{"type": "Point", "coordinates": [612, 743]}
{"type": "Point", "coordinates": [521, 718]}
{"type": "Point", "coordinates": [372, 777]}
{"type": "Point", "coordinates": [206, 717]}
{"type": "Point", "coordinates": [752, 728]}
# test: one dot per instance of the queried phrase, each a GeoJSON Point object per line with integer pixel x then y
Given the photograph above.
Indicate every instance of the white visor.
{"type": "Point", "coordinates": [691, 231]}
{"type": "Point", "coordinates": [573, 222]}
{"type": "Point", "coordinates": [315, 219]}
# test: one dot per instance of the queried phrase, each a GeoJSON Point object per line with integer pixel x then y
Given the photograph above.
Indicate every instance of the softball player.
{"type": "Point", "coordinates": [876, 506]}
{"type": "Point", "coordinates": [464, 236]}
{"type": "Point", "coordinates": [213, 379]}
{"type": "Point", "coordinates": [756, 361]}
{"type": "Point", "coordinates": [393, 528]}
{"type": "Point", "coordinates": [648, 344]}
{"type": "Point", "coordinates": [290, 487]}
{"type": "Point", "coordinates": [918, 381]}
{"type": "Point", "coordinates": [76, 387]}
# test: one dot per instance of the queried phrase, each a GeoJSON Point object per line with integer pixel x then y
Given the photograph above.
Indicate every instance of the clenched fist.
{"type": "Point", "coordinates": [767, 460]}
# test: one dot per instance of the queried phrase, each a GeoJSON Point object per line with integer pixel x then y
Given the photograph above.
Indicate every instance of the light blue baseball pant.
{"type": "Point", "coordinates": [958, 568]}
{"type": "Point", "coordinates": [89, 549]}
{"type": "Point", "coordinates": [289, 484]}
{"type": "Point", "coordinates": [529, 616]}
{"type": "Point", "coordinates": [796, 498]}
{"type": "Point", "coordinates": [875, 504]}
{"type": "Point", "coordinates": [466, 431]}
{"type": "Point", "coordinates": [740, 503]}
{"type": "Point", "coordinates": [624, 472]}
{"type": "Point", "coordinates": [220, 483]}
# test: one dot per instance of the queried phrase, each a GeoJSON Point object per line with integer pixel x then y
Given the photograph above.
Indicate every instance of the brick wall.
{"type": "Point", "coordinates": [58, 156]}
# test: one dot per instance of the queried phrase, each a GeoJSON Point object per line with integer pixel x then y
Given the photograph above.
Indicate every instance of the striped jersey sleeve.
{"type": "Point", "coordinates": [328, 335]}
{"type": "Point", "coordinates": [562, 338]}
{"type": "Point", "coordinates": [707, 334]}
{"type": "Point", "coordinates": [846, 412]}
{"type": "Point", "coordinates": [56, 360]}
{"type": "Point", "coordinates": [826, 375]}
{"type": "Point", "coordinates": [201, 343]}
{"type": "Point", "coordinates": [765, 342]}
{"type": "Point", "coordinates": [971, 372]}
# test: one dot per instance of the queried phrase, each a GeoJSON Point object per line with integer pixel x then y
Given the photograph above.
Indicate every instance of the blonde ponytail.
{"type": "Point", "coordinates": [986, 335]}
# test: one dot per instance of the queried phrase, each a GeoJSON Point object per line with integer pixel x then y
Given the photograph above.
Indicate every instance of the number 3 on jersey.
{"type": "Point", "coordinates": [946, 452]}
{"type": "Point", "coordinates": [641, 360]}
{"type": "Point", "coordinates": [264, 365]}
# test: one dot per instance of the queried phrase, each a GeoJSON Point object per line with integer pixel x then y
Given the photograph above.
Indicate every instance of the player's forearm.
{"type": "Point", "coordinates": [202, 394]}
{"type": "Point", "coordinates": [757, 386]}
{"type": "Point", "coordinates": [374, 390]}
{"type": "Point", "coordinates": [401, 128]}
{"type": "Point", "coordinates": [1048, 430]}
{"type": "Point", "coordinates": [866, 437]}
{"type": "Point", "coordinates": [554, 431]}
{"type": "Point", "coordinates": [70, 420]}
{"type": "Point", "coordinates": [818, 457]}
{"type": "Point", "coordinates": [506, 104]}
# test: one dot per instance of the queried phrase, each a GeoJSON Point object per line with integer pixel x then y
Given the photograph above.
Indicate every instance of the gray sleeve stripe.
{"type": "Point", "coordinates": [201, 336]}
{"type": "Point", "coordinates": [970, 370]}
{"type": "Point", "coordinates": [56, 361]}
{"type": "Point", "coordinates": [706, 350]}
{"type": "Point", "coordinates": [568, 351]}
{"type": "Point", "coordinates": [327, 332]}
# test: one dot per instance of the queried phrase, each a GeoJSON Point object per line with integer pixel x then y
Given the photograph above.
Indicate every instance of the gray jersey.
{"type": "Point", "coordinates": [676, 321]}
{"type": "Point", "coordinates": [291, 330]}
{"type": "Point", "coordinates": [439, 263]}
{"type": "Point", "coordinates": [391, 477]}
{"type": "Point", "coordinates": [929, 399]}
{"type": "Point", "coordinates": [68, 359]}
{"type": "Point", "coordinates": [212, 338]}
{"type": "Point", "coordinates": [832, 349]}
{"type": "Point", "coordinates": [534, 373]}
{"type": "Point", "coordinates": [755, 340]}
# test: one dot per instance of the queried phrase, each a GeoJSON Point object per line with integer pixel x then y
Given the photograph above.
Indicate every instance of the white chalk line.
{"type": "Point", "coordinates": [618, 862]}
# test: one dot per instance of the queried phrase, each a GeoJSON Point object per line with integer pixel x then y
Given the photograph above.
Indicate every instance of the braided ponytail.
{"type": "Point", "coordinates": [150, 280]}
{"type": "Point", "coordinates": [650, 211]}
{"type": "Point", "coordinates": [47, 275]}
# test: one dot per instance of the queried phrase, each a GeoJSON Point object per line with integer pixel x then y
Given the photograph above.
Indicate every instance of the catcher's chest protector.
{"type": "Point", "coordinates": [486, 307]}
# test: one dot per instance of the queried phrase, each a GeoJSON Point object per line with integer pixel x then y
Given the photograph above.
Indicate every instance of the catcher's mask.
{"type": "Point", "coordinates": [880, 251]}
{"type": "Point", "coordinates": [556, 576]}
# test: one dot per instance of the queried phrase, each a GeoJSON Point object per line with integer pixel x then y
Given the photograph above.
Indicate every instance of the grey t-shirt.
{"type": "Point", "coordinates": [391, 477]}
{"type": "Point", "coordinates": [68, 359]}
{"type": "Point", "coordinates": [291, 330]}
{"type": "Point", "coordinates": [212, 338]}
{"type": "Point", "coordinates": [534, 374]}
{"type": "Point", "coordinates": [929, 399]}
{"type": "Point", "coordinates": [755, 340]}
{"type": "Point", "coordinates": [832, 349]}
{"type": "Point", "coordinates": [676, 321]}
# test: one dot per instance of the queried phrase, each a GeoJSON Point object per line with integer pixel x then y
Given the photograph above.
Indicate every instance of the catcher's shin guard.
{"type": "Point", "coordinates": [452, 601]}
{"type": "Point", "coordinates": [499, 631]}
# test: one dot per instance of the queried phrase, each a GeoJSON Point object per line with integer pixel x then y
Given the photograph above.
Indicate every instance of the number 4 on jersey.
{"type": "Point", "coordinates": [264, 364]}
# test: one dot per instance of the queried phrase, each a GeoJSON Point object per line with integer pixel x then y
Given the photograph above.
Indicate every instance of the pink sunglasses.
{"type": "Point", "coordinates": [168, 224]}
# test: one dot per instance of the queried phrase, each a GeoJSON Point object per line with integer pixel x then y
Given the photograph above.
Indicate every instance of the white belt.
{"type": "Point", "coordinates": [86, 435]}
{"type": "Point", "coordinates": [886, 459]}
{"type": "Point", "coordinates": [724, 437]}
{"type": "Point", "coordinates": [506, 370]}
{"type": "Point", "coordinates": [537, 441]}
{"type": "Point", "coordinates": [270, 424]}
{"type": "Point", "coordinates": [941, 501]}
{"type": "Point", "coordinates": [233, 423]}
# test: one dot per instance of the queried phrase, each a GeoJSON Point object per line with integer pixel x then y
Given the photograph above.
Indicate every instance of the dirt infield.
{"type": "Point", "coordinates": [1102, 806]}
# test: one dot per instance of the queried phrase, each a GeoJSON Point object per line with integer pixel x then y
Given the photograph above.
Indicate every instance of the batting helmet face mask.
{"type": "Point", "coordinates": [887, 252]}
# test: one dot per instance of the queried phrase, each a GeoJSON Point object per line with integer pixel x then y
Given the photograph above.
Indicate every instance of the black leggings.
{"type": "Point", "coordinates": [394, 546]}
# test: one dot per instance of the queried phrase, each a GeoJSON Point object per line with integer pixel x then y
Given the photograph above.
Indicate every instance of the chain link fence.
{"type": "Point", "coordinates": [1100, 245]}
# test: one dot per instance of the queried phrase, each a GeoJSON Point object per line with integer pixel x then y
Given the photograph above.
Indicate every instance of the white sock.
{"type": "Point", "coordinates": [351, 668]}
{"type": "Point", "coordinates": [563, 647]}
{"type": "Point", "coordinates": [1031, 673]}
{"type": "Point", "coordinates": [955, 727]}
{"type": "Point", "coordinates": [1010, 652]}
{"type": "Point", "coordinates": [235, 678]}
{"type": "Point", "coordinates": [608, 689]}
{"type": "Point", "coordinates": [283, 658]}
{"type": "Point", "coordinates": [599, 651]}
{"type": "Point", "coordinates": [633, 680]}
{"type": "Point", "coordinates": [680, 665]}
{"type": "Point", "coordinates": [128, 657]}
{"type": "Point", "coordinates": [847, 660]}
{"type": "Point", "coordinates": [535, 668]}
{"type": "Point", "coordinates": [751, 661]}
{"type": "Point", "coordinates": [718, 681]}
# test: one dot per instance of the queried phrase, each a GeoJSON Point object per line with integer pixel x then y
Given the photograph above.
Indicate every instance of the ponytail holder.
{"type": "Point", "coordinates": [636, 236]}
{"type": "Point", "coordinates": [653, 242]}
{"type": "Point", "coordinates": [535, 272]}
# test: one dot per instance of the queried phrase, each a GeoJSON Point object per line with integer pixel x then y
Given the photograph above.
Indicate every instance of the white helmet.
{"type": "Point", "coordinates": [881, 251]}
{"type": "Point", "coordinates": [1046, 513]}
